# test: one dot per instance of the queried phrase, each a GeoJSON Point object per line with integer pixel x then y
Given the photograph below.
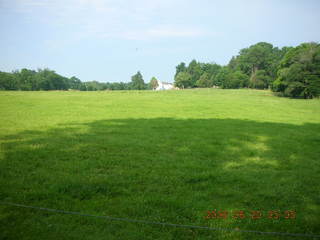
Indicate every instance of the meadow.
{"type": "Point", "coordinates": [167, 156]}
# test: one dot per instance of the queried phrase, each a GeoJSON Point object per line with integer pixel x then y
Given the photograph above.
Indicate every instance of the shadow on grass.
{"type": "Point", "coordinates": [164, 170]}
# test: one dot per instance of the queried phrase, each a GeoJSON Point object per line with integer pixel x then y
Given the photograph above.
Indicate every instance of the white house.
{"type": "Point", "coordinates": [165, 86]}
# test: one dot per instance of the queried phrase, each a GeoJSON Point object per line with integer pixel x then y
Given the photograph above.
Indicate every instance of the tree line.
{"type": "Point", "coordinates": [46, 79]}
{"type": "Point", "coordinates": [290, 71]}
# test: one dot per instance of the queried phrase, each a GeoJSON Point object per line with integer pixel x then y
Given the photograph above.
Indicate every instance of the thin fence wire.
{"type": "Point", "coordinates": [160, 223]}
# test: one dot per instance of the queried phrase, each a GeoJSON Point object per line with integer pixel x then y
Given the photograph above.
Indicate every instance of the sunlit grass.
{"type": "Point", "coordinates": [158, 156]}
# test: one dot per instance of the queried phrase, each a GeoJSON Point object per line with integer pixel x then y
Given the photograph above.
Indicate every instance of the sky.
{"type": "Point", "coordinates": [110, 40]}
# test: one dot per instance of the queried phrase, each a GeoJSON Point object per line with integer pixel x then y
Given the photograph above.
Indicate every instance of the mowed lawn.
{"type": "Point", "coordinates": [167, 156]}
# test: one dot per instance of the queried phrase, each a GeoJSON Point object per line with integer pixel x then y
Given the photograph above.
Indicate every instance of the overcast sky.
{"type": "Point", "coordinates": [110, 40]}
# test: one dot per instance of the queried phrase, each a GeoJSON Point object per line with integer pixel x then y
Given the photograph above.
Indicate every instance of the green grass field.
{"type": "Point", "coordinates": [158, 156]}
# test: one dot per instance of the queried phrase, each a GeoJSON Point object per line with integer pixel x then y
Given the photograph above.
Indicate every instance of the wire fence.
{"type": "Point", "coordinates": [160, 223]}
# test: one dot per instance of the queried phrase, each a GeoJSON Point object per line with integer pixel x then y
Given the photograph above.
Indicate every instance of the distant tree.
{"type": "Point", "coordinates": [259, 62]}
{"type": "Point", "coordinates": [137, 82]}
{"type": "Point", "coordinates": [83, 87]}
{"type": "Point", "coordinates": [8, 81]}
{"type": "Point", "coordinates": [260, 80]}
{"type": "Point", "coordinates": [180, 68]}
{"type": "Point", "coordinates": [195, 71]}
{"type": "Point", "coordinates": [26, 79]}
{"type": "Point", "coordinates": [292, 71]}
{"type": "Point", "coordinates": [43, 80]}
{"type": "Point", "coordinates": [258, 56]}
{"type": "Point", "coordinates": [299, 72]}
{"type": "Point", "coordinates": [94, 86]}
{"type": "Point", "coordinates": [204, 81]}
{"type": "Point", "coordinates": [277, 57]}
{"type": "Point", "coordinates": [239, 79]}
{"type": "Point", "coordinates": [122, 86]}
{"type": "Point", "coordinates": [221, 77]}
{"type": "Point", "coordinates": [74, 83]}
{"type": "Point", "coordinates": [211, 69]}
{"type": "Point", "coordinates": [183, 80]}
{"type": "Point", "coordinates": [233, 63]}
{"type": "Point", "coordinates": [153, 83]}
{"type": "Point", "coordinates": [235, 79]}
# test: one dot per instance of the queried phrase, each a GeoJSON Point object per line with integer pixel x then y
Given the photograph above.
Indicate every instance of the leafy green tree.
{"type": "Point", "coordinates": [211, 69]}
{"type": "Point", "coordinates": [26, 79]}
{"type": "Point", "coordinates": [235, 79]}
{"type": "Point", "coordinates": [74, 83]}
{"type": "Point", "coordinates": [8, 81]}
{"type": "Point", "coordinates": [183, 80]}
{"type": "Point", "coordinates": [43, 79]}
{"type": "Point", "coordinates": [49, 80]}
{"type": "Point", "coordinates": [299, 72]}
{"type": "Point", "coordinates": [180, 68]}
{"type": "Point", "coordinates": [260, 61]}
{"type": "Point", "coordinates": [233, 63]}
{"type": "Point", "coordinates": [137, 82]}
{"type": "Point", "coordinates": [221, 77]}
{"type": "Point", "coordinates": [258, 56]}
{"type": "Point", "coordinates": [83, 87]}
{"type": "Point", "coordinates": [277, 57]}
{"type": "Point", "coordinates": [260, 80]}
{"type": "Point", "coordinates": [153, 84]}
{"type": "Point", "coordinates": [195, 71]}
{"type": "Point", "coordinates": [241, 79]}
{"type": "Point", "coordinates": [204, 81]}
{"type": "Point", "coordinates": [93, 86]}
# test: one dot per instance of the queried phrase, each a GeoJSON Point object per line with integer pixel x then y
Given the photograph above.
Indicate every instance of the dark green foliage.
{"type": "Point", "coordinates": [228, 79]}
{"type": "Point", "coordinates": [259, 62]}
{"type": "Point", "coordinates": [212, 69]}
{"type": "Point", "coordinates": [221, 77]}
{"type": "Point", "coordinates": [83, 87]}
{"type": "Point", "coordinates": [198, 74]}
{"type": "Point", "coordinates": [49, 80]}
{"type": "Point", "coordinates": [260, 80]}
{"type": "Point", "coordinates": [237, 79]}
{"type": "Point", "coordinates": [183, 80]}
{"type": "Point", "coordinates": [258, 56]}
{"type": "Point", "coordinates": [27, 79]}
{"type": "Point", "coordinates": [254, 67]}
{"type": "Point", "coordinates": [204, 81]}
{"type": "Point", "coordinates": [299, 72]}
{"type": "Point", "coordinates": [293, 71]}
{"type": "Point", "coordinates": [93, 86]}
{"type": "Point", "coordinates": [195, 71]}
{"type": "Point", "coordinates": [43, 79]}
{"type": "Point", "coordinates": [46, 79]}
{"type": "Point", "coordinates": [75, 83]}
{"type": "Point", "coordinates": [8, 81]}
{"type": "Point", "coordinates": [137, 82]}
{"type": "Point", "coordinates": [180, 68]}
